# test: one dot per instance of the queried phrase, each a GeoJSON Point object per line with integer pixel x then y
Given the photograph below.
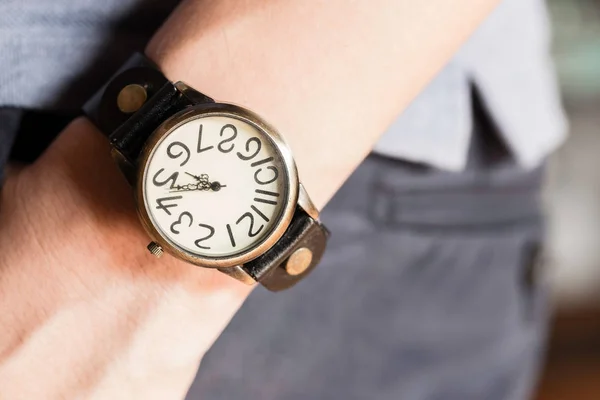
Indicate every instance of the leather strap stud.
{"type": "Point", "coordinates": [131, 98]}
{"type": "Point", "coordinates": [299, 261]}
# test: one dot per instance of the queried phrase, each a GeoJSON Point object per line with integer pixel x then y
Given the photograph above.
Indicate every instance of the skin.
{"type": "Point", "coordinates": [85, 311]}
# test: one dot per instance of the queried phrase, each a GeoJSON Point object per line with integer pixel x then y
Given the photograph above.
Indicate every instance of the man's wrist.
{"type": "Point", "coordinates": [74, 269]}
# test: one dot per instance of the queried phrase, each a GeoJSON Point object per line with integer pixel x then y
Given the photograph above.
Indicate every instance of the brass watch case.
{"type": "Point", "coordinates": [242, 114]}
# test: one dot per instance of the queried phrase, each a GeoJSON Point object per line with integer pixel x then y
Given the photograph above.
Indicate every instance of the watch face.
{"type": "Point", "coordinates": [215, 186]}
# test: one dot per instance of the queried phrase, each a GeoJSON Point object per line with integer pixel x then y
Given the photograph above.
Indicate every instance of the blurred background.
{"type": "Point", "coordinates": [572, 194]}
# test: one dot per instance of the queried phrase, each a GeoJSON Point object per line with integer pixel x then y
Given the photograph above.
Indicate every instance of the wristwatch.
{"type": "Point", "coordinates": [214, 183]}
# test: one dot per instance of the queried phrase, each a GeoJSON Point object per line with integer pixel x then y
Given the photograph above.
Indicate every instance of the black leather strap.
{"type": "Point", "coordinates": [128, 133]}
{"type": "Point", "coordinates": [303, 232]}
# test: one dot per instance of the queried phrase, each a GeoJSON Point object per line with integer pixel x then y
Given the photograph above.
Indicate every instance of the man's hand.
{"type": "Point", "coordinates": [86, 311]}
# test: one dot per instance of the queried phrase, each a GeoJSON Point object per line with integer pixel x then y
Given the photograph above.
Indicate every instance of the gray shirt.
{"type": "Point", "coordinates": [508, 62]}
{"type": "Point", "coordinates": [47, 46]}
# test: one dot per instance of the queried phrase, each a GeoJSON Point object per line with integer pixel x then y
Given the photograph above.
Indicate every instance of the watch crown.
{"type": "Point", "coordinates": [155, 249]}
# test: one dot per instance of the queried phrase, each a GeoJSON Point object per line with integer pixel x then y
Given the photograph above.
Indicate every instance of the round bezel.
{"type": "Point", "coordinates": [244, 115]}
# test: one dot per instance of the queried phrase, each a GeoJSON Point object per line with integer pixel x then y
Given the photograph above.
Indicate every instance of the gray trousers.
{"type": "Point", "coordinates": [427, 292]}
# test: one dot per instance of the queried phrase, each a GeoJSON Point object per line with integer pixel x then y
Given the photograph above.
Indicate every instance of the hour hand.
{"type": "Point", "coordinates": [196, 177]}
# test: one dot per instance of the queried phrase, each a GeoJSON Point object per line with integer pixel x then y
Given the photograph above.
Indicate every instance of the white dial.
{"type": "Point", "coordinates": [215, 186]}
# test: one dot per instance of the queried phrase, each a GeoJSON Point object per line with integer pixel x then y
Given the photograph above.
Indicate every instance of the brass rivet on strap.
{"type": "Point", "coordinates": [299, 261]}
{"type": "Point", "coordinates": [131, 98]}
